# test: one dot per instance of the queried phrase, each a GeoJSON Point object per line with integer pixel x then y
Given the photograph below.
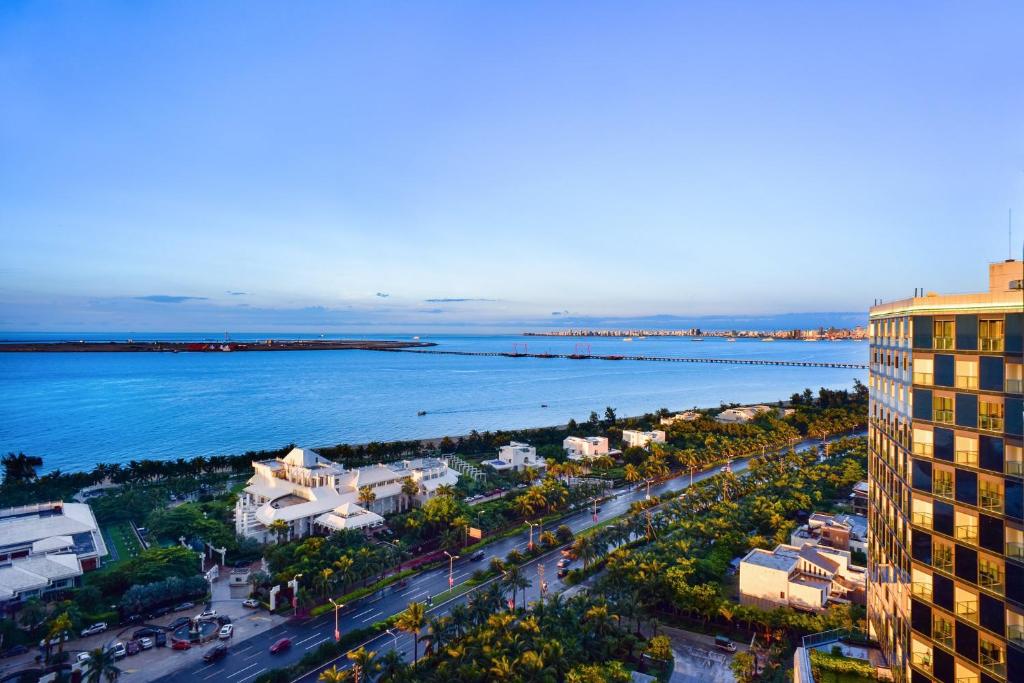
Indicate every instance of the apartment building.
{"type": "Point", "coordinates": [945, 488]}
{"type": "Point", "coordinates": [633, 437]}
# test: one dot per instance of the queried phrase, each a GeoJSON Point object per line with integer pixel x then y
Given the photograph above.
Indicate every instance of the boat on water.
{"type": "Point", "coordinates": [696, 338]}
{"type": "Point", "coordinates": [730, 339]}
{"type": "Point", "coordinates": [810, 340]}
{"type": "Point", "coordinates": [421, 413]}
{"type": "Point", "coordinates": [416, 338]}
{"type": "Point", "coordinates": [767, 339]}
{"type": "Point", "coordinates": [627, 339]}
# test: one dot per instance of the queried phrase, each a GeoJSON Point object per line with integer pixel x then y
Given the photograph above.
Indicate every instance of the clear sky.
{"type": "Point", "coordinates": [305, 165]}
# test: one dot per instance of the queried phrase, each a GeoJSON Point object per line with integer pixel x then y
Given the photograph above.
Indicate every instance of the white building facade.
{"type": "Point", "coordinates": [808, 578]}
{"type": "Point", "coordinates": [633, 437]}
{"type": "Point", "coordinates": [585, 447]}
{"type": "Point", "coordinates": [516, 457]}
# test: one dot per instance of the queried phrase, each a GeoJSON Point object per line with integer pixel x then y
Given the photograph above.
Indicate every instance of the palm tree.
{"type": "Point", "coordinates": [20, 467]}
{"type": "Point", "coordinates": [631, 473]}
{"type": "Point", "coordinates": [515, 580]}
{"type": "Point", "coordinates": [392, 668]}
{"type": "Point", "coordinates": [334, 675]}
{"type": "Point", "coordinates": [58, 628]}
{"type": "Point", "coordinates": [279, 528]}
{"type": "Point", "coordinates": [438, 629]}
{"type": "Point", "coordinates": [364, 663]}
{"type": "Point", "coordinates": [412, 620]}
{"type": "Point", "coordinates": [410, 488]}
{"type": "Point", "coordinates": [366, 496]}
{"type": "Point", "coordinates": [101, 664]}
{"type": "Point", "coordinates": [524, 505]}
{"type": "Point", "coordinates": [324, 578]}
{"type": "Point", "coordinates": [445, 490]}
{"type": "Point", "coordinates": [33, 614]}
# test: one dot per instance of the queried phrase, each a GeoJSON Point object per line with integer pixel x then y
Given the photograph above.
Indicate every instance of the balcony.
{"type": "Point", "coordinates": [990, 343]}
{"type": "Point", "coordinates": [990, 423]}
{"type": "Point", "coordinates": [1015, 551]}
{"type": "Point", "coordinates": [968, 610]}
{"type": "Point", "coordinates": [1015, 386]}
{"type": "Point", "coordinates": [993, 661]}
{"type": "Point", "coordinates": [942, 633]}
{"type": "Point", "coordinates": [969, 458]}
{"type": "Point", "coordinates": [942, 416]}
{"type": "Point", "coordinates": [942, 489]}
{"type": "Point", "coordinates": [967, 534]}
{"type": "Point", "coordinates": [922, 519]}
{"type": "Point", "coordinates": [921, 590]}
{"type": "Point", "coordinates": [924, 378]}
{"type": "Point", "coordinates": [942, 343]}
{"type": "Point", "coordinates": [966, 382]}
{"type": "Point", "coordinates": [967, 679]}
{"type": "Point", "coordinates": [922, 660]}
{"type": "Point", "coordinates": [991, 580]}
{"type": "Point", "coordinates": [925, 449]}
{"type": "Point", "coordinates": [942, 560]}
{"type": "Point", "coordinates": [1015, 633]}
{"type": "Point", "coordinates": [991, 501]}
{"type": "Point", "coordinates": [1015, 467]}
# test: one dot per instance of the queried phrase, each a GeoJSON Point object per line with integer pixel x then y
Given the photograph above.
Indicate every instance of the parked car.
{"type": "Point", "coordinates": [280, 646]}
{"type": "Point", "coordinates": [119, 650]}
{"type": "Point", "coordinates": [216, 653]}
{"type": "Point", "coordinates": [206, 615]}
{"type": "Point", "coordinates": [160, 639]}
{"type": "Point", "coordinates": [132, 619]}
{"type": "Point", "coordinates": [564, 562]}
{"type": "Point", "coordinates": [563, 572]}
{"type": "Point", "coordinates": [98, 627]}
{"type": "Point", "coordinates": [223, 619]}
{"type": "Point", "coordinates": [181, 645]}
{"type": "Point", "coordinates": [251, 603]}
{"type": "Point", "coordinates": [146, 643]}
{"type": "Point", "coordinates": [144, 633]}
{"type": "Point", "coordinates": [159, 612]}
{"type": "Point", "coordinates": [178, 623]}
{"type": "Point", "coordinates": [133, 647]}
{"type": "Point", "coordinates": [226, 631]}
{"type": "Point", "coordinates": [55, 641]}
{"type": "Point", "coordinates": [723, 643]}
{"type": "Point", "coordinates": [13, 651]}
{"type": "Point", "coordinates": [82, 657]}
{"type": "Point", "coordinates": [477, 556]}
{"type": "Point", "coordinates": [183, 606]}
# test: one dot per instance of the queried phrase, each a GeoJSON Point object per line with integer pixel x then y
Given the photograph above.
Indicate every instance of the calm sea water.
{"type": "Point", "coordinates": [78, 409]}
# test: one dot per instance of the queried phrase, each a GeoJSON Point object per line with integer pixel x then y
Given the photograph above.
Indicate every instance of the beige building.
{"type": "Point", "coordinates": [633, 437]}
{"type": "Point", "coordinates": [585, 447]}
{"type": "Point", "coordinates": [808, 577]}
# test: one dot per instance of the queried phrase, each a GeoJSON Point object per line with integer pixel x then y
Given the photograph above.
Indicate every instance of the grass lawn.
{"type": "Point", "coordinates": [123, 538]}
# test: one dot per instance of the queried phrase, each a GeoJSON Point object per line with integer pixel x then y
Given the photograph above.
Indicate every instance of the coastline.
{"type": "Point", "coordinates": [209, 347]}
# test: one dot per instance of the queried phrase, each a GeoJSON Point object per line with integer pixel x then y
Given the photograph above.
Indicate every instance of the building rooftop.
{"type": "Point", "coordinates": [1004, 294]}
{"type": "Point", "coordinates": [25, 526]}
{"type": "Point", "coordinates": [34, 573]}
{"type": "Point", "coordinates": [780, 561]}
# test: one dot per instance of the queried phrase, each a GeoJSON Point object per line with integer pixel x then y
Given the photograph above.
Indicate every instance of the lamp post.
{"type": "Point", "coordinates": [337, 631]}
{"type": "Point", "coordinates": [451, 569]}
{"type": "Point", "coordinates": [394, 636]}
{"type": "Point", "coordinates": [529, 546]}
{"type": "Point", "coordinates": [294, 583]}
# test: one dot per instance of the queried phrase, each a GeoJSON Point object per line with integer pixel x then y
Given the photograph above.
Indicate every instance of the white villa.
{"type": "Point", "coordinates": [686, 416]}
{"type": "Point", "coordinates": [633, 437]}
{"type": "Point", "coordinates": [315, 495]}
{"type": "Point", "coordinates": [585, 447]}
{"type": "Point", "coordinates": [517, 457]}
{"type": "Point", "coordinates": [742, 414]}
{"type": "Point", "coordinates": [808, 578]}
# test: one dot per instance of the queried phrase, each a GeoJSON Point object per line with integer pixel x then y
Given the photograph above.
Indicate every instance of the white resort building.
{"type": "Point", "coordinates": [44, 548]}
{"type": "Point", "coordinates": [742, 414]}
{"type": "Point", "coordinates": [312, 494]}
{"type": "Point", "coordinates": [517, 457]}
{"type": "Point", "coordinates": [585, 447]}
{"type": "Point", "coordinates": [809, 578]}
{"type": "Point", "coordinates": [633, 437]}
{"type": "Point", "coordinates": [686, 416]}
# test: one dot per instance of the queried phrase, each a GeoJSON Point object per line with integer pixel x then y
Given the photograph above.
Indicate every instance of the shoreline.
{"type": "Point", "coordinates": [209, 347]}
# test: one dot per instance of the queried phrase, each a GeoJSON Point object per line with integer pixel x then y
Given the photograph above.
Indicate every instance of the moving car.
{"type": "Point", "coordinates": [216, 653]}
{"type": "Point", "coordinates": [181, 645]}
{"type": "Point", "coordinates": [98, 627]}
{"type": "Point", "coordinates": [723, 643]}
{"type": "Point", "coordinates": [119, 650]}
{"type": "Point", "coordinates": [146, 643]}
{"type": "Point", "coordinates": [206, 614]}
{"type": "Point", "coordinates": [226, 631]}
{"type": "Point", "coordinates": [564, 562]}
{"type": "Point", "coordinates": [477, 556]}
{"type": "Point", "coordinates": [280, 646]}
{"type": "Point", "coordinates": [252, 603]}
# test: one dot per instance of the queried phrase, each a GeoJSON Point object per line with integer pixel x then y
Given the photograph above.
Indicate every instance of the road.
{"type": "Point", "coordinates": [251, 657]}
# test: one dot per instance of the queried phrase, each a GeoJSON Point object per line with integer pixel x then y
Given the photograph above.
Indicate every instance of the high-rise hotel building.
{"type": "Point", "coordinates": [946, 499]}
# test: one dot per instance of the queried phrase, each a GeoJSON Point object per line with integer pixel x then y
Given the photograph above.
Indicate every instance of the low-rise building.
{"type": "Point", "coordinates": [312, 494]}
{"type": "Point", "coordinates": [687, 416]}
{"type": "Point", "coordinates": [634, 437]}
{"type": "Point", "coordinates": [516, 457]}
{"type": "Point", "coordinates": [742, 414]}
{"type": "Point", "coordinates": [808, 577]}
{"type": "Point", "coordinates": [859, 498]}
{"type": "Point", "coordinates": [44, 548]}
{"type": "Point", "coordinates": [843, 532]}
{"type": "Point", "coordinates": [585, 447]}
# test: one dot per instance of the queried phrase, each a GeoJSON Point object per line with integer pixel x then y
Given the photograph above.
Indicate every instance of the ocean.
{"type": "Point", "coordinates": [78, 409]}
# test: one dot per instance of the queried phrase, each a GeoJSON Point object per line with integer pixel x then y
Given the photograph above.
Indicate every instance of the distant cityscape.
{"type": "Point", "coordinates": [830, 333]}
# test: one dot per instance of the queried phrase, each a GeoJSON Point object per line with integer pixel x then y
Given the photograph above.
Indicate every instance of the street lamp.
{"type": "Point", "coordinates": [529, 546]}
{"type": "Point", "coordinates": [294, 583]}
{"type": "Point", "coordinates": [394, 644]}
{"type": "Point", "coordinates": [337, 632]}
{"type": "Point", "coordinates": [451, 569]}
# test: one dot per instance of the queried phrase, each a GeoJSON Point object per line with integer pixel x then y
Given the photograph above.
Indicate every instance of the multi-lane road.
{"type": "Point", "coordinates": [252, 657]}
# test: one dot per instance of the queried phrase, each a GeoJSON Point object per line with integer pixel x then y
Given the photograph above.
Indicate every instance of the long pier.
{"type": "Point", "coordinates": [656, 359]}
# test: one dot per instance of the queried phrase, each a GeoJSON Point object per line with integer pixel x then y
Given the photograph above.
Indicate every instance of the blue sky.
{"type": "Point", "coordinates": [260, 166]}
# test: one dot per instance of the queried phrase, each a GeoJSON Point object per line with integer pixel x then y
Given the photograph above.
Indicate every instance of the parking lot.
{"type": "Point", "coordinates": [697, 660]}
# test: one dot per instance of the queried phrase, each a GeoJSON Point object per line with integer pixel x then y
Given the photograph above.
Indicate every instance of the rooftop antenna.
{"type": "Point", "coordinates": [1009, 236]}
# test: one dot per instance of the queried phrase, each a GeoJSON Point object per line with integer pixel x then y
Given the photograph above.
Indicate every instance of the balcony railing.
{"type": "Point", "coordinates": [922, 519]}
{"type": "Point", "coordinates": [990, 423]}
{"type": "Point", "coordinates": [942, 633]}
{"type": "Point", "coordinates": [1015, 551]}
{"type": "Point", "coordinates": [924, 378]}
{"type": "Point", "coordinates": [923, 449]}
{"type": "Point", "coordinates": [942, 416]}
{"type": "Point", "coordinates": [1015, 633]}
{"type": "Point", "coordinates": [992, 580]}
{"type": "Point", "coordinates": [994, 662]}
{"type": "Point", "coordinates": [967, 533]}
{"type": "Point", "coordinates": [966, 382]}
{"type": "Point", "coordinates": [942, 489]}
{"type": "Point", "coordinates": [990, 501]}
{"type": "Point", "coordinates": [1015, 467]}
{"type": "Point", "coordinates": [968, 610]}
{"type": "Point", "coordinates": [1015, 386]}
{"type": "Point", "coordinates": [942, 559]}
{"type": "Point", "coordinates": [922, 660]}
{"type": "Point", "coordinates": [921, 590]}
{"type": "Point", "coordinates": [942, 343]}
{"type": "Point", "coordinates": [990, 343]}
{"type": "Point", "coordinates": [966, 458]}
{"type": "Point", "coordinates": [967, 679]}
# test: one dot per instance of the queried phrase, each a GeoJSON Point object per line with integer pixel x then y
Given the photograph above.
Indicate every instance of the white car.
{"type": "Point", "coordinates": [146, 643]}
{"type": "Point", "coordinates": [226, 631]}
{"type": "Point", "coordinates": [99, 627]}
{"type": "Point", "coordinates": [207, 615]}
{"type": "Point", "coordinates": [82, 657]}
{"type": "Point", "coordinates": [120, 651]}
{"type": "Point", "coordinates": [251, 602]}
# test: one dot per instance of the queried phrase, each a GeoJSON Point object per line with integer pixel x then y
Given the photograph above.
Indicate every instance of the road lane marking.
{"type": "Point", "coordinates": [252, 675]}
{"type": "Point", "coordinates": [356, 616]}
{"type": "Point", "coordinates": [241, 670]}
{"type": "Point", "coordinates": [305, 639]}
{"type": "Point", "coordinates": [372, 616]}
{"type": "Point", "coordinates": [312, 645]}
